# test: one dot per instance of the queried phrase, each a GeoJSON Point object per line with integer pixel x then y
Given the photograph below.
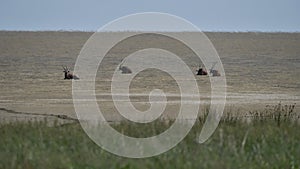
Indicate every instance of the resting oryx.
{"type": "Point", "coordinates": [124, 69]}
{"type": "Point", "coordinates": [68, 74]}
{"type": "Point", "coordinates": [201, 71]}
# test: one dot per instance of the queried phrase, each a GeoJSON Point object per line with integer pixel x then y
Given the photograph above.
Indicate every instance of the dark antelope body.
{"type": "Point", "coordinates": [124, 69]}
{"type": "Point", "coordinates": [201, 71]}
{"type": "Point", "coordinates": [68, 74]}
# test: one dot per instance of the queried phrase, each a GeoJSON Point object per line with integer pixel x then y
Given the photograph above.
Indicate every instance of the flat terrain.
{"type": "Point", "coordinates": [261, 69]}
{"type": "Point", "coordinates": [263, 84]}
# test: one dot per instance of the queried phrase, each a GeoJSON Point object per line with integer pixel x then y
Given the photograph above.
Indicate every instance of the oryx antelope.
{"type": "Point", "coordinates": [213, 71]}
{"type": "Point", "coordinates": [124, 69]}
{"type": "Point", "coordinates": [201, 71]}
{"type": "Point", "coordinates": [68, 74]}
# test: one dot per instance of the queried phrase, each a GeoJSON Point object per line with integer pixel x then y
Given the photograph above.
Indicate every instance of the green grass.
{"type": "Point", "coordinates": [261, 143]}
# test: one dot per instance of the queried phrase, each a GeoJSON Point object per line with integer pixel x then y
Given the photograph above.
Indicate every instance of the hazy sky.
{"type": "Point", "coordinates": [208, 15]}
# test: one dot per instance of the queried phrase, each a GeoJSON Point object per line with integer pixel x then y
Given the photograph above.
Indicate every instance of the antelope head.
{"type": "Point", "coordinates": [68, 74]}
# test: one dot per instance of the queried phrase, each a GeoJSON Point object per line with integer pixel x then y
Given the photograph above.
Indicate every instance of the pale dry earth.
{"type": "Point", "coordinates": [261, 69]}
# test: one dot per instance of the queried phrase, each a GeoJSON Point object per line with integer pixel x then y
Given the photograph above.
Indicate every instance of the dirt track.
{"type": "Point", "coordinates": [261, 69]}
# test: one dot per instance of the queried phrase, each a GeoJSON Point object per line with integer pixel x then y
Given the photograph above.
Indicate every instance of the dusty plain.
{"type": "Point", "coordinates": [261, 69]}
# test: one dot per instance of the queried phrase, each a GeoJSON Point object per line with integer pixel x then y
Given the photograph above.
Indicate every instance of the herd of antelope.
{"type": "Point", "coordinates": [213, 72]}
{"type": "Point", "coordinates": [125, 70]}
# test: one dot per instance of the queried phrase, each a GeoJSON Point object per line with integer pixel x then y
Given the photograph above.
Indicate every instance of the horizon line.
{"type": "Point", "coordinates": [93, 31]}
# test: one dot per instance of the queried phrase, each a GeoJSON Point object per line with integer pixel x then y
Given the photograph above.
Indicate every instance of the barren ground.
{"type": "Point", "coordinates": [261, 69]}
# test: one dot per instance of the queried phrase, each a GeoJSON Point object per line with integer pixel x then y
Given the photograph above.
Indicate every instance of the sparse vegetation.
{"type": "Point", "coordinates": [269, 140]}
